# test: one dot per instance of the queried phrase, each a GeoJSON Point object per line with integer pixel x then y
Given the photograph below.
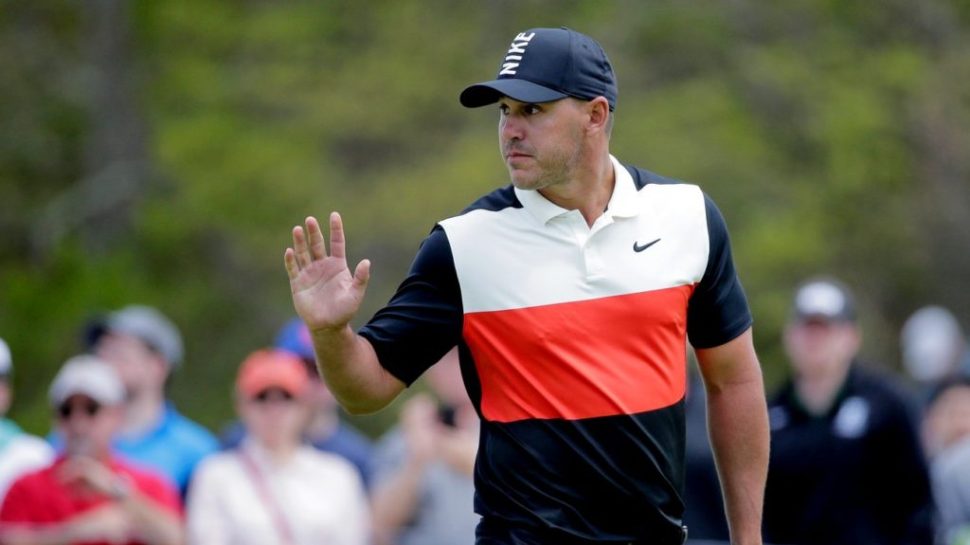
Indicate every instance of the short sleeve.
{"type": "Point", "coordinates": [423, 319]}
{"type": "Point", "coordinates": [718, 309]}
{"type": "Point", "coordinates": [16, 503]}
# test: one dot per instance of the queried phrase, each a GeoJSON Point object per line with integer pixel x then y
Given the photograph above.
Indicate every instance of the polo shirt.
{"type": "Point", "coordinates": [41, 497]}
{"type": "Point", "coordinates": [572, 342]}
{"type": "Point", "coordinates": [852, 476]}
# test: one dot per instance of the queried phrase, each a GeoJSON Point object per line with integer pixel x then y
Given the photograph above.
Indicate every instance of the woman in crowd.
{"type": "Point", "coordinates": [274, 489]}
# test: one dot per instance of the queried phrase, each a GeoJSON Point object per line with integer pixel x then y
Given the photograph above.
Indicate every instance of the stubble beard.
{"type": "Point", "coordinates": [548, 171]}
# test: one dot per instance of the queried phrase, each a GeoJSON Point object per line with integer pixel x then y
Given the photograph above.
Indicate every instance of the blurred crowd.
{"type": "Point", "coordinates": [122, 465]}
{"type": "Point", "coordinates": [859, 455]}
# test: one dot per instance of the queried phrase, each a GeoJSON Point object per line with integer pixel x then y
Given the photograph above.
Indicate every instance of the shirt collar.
{"type": "Point", "coordinates": [622, 202]}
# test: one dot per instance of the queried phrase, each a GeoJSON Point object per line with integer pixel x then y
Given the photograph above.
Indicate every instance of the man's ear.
{"type": "Point", "coordinates": [599, 113]}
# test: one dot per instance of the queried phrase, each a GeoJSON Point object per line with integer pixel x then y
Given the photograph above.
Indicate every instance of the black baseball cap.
{"type": "Point", "coordinates": [824, 299]}
{"type": "Point", "coordinates": [547, 64]}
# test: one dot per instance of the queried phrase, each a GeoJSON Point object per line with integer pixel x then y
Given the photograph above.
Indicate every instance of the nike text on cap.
{"type": "Point", "coordinates": [547, 64]}
{"type": "Point", "coordinates": [823, 299]}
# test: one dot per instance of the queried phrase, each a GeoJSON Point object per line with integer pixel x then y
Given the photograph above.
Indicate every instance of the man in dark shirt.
{"type": "Point", "coordinates": [846, 465]}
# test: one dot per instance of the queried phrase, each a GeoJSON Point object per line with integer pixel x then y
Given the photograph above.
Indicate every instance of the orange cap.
{"type": "Point", "coordinates": [272, 369]}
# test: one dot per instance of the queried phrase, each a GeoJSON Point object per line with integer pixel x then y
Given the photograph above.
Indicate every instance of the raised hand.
{"type": "Point", "coordinates": [325, 294]}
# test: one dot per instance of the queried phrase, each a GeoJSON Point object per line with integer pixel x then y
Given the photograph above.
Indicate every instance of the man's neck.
{"type": "Point", "coordinates": [142, 413]}
{"type": "Point", "coordinates": [589, 192]}
{"type": "Point", "coordinates": [818, 393]}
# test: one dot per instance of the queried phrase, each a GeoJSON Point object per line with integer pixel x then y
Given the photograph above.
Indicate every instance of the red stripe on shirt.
{"type": "Point", "coordinates": [615, 355]}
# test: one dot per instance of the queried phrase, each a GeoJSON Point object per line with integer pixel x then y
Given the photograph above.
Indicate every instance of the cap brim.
{"type": "Point", "coordinates": [489, 92]}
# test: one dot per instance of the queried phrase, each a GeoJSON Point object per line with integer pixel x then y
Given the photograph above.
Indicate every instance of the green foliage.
{"type": "Point", "coordinates": [832, 135]}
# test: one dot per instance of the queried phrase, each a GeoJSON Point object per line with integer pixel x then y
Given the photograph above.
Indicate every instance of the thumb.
{"type": "Point", "coordinates": [362, 274]}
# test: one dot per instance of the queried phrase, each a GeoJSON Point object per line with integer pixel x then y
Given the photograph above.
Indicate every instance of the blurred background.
{"type": "Point", "coordinates": [160, 152]}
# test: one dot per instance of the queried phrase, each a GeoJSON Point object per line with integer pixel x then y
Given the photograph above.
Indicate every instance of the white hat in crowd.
{"type": "Point", "coordinates": [6, 361]}
{"type": "Point", "coordinates": [931, 341]}
{"type": "Point", "coordinates": [90, 376]}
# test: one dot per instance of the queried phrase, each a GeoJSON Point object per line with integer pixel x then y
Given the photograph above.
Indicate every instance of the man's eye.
{"type": "Point", "coordinates": [532, 109]}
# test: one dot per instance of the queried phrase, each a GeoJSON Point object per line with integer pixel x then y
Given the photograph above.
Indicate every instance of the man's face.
{"type": "Point", "coordinates": [543, 143]}
{"type": "Point", "coordinates": [818, 347]}
{"type": "Point", "coordinates": [139, 367]}
{"type": "Point", "coordinates": [86, 425]}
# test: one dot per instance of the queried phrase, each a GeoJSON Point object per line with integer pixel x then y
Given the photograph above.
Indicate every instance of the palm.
{"type": "Point", "coordinates": [325, 292]}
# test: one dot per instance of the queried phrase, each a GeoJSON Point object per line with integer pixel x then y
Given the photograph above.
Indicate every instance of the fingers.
{"type": "Point", "coordinates": [309, 246]}
{"type": "Point", "coordinates": [289, 260]}
{"type": "Point", "coordinates": [337, 243]}
{"type": "Point", "coordinates": [318, 250]}
{"type": "Point", "coordinates": [300, 247]}
{"type": "Point", "coordinates": [362, 274]}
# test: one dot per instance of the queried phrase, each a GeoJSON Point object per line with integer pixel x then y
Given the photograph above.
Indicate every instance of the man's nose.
{"type": "Point", "coordinates": [510, 128]}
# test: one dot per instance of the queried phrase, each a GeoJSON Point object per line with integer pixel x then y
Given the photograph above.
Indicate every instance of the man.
{"type": "Point", "coordinates": [88, 495]}
{"type": "Point", "coordinates": [570, 295]}
{"type": "Point", "coordinates": [19, 452]}
{"type": "Point", "coordinates": [846, 465]}
{"type": "Point", "coordinates": [144, 347]}
{"type": "Point", "coordinates": [933, 347]}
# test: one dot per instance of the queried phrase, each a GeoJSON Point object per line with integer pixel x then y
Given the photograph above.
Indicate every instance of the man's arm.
{"type": "Point", "coordinates": [327, 297]}
{"type": "Point", "coordinates": [738, 426]}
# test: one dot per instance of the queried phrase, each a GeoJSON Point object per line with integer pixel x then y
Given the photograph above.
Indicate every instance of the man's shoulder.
{"type": "Point", "coordinates": [498, 199]}
{"type": "Point", "coordinates": [187, 433]}
{"type": "Point", "coordinates": [643, 177]}
{"type": "Point", "coordinates": [486, 210]}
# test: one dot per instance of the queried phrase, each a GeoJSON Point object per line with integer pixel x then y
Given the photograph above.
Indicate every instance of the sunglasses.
{"type": "Point", "coordinates": [67, 410]}
{"type": "Point", "coordinates": [269, 395]}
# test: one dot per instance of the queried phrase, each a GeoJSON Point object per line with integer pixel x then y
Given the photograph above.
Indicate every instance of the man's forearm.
{"type": "Point", "coordinates": [738, 424]}
{"type": "Point", "coordinates": [349, 365]}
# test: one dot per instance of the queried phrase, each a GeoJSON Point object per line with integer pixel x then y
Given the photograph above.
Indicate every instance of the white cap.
{"type": "Point", "coordinates": [823, 298]}
{"type": "Point", "coordinates": [90, 376]}
{"type": "Point", "coordinates": [931, 341]}
{"type": "Point", "coordinates": [6, 362]}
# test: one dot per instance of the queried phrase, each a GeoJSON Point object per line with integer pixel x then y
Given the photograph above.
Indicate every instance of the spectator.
{"type": "Point", "coordinates": [846, 465]}
{"type": "Point", "coordinates": [933, 346]}
{"type": "Point", "coordinates": [947, 430]}
{"type": "Point", "coordinates": [19, 452]}
{"type": "Point", "coordinates": [274, 489]}
{"type": "Point", "coordinates": [87, 495]}
{"type": "Point", "coordinates": [325, 429]}
{"type": "Point", "coordinates": [145, 347]}
{"type": "Point", "coordinates": [423, 486]}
